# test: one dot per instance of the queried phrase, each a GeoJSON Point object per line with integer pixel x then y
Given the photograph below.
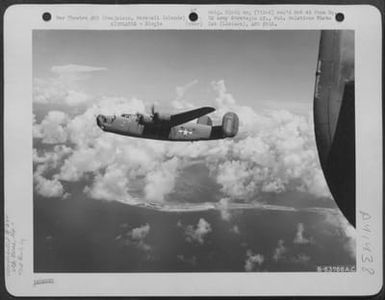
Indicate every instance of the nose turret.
{"type": "Point", "coordinates": [100, 120]}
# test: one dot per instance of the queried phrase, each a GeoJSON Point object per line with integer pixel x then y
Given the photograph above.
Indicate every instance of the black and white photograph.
{"type": "Point", "coordinates": [193, 151]}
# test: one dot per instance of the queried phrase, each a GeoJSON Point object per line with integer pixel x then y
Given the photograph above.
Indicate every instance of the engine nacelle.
{"type": "Point", "coordinates": [145, 120]}
{"type": "Point", "coordinates": [205, 120]}
{"type": "Point", "coordinates": [230, 124]}
{"type": "Point", "coordinates": [162, 117]}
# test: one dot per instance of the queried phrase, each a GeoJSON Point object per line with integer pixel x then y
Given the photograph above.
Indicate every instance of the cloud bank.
{"type": "Point", "coordinates": [274, 152]}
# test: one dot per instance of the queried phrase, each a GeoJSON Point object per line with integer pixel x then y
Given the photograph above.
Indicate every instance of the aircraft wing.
{"type": "Point", "coordinates": [187, 116]}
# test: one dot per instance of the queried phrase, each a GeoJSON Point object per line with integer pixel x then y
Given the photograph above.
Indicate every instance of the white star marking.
{"type": "Point", "coordinates": [184, 132]}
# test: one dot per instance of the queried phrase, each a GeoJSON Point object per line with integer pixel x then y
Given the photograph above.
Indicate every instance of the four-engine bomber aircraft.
{"type": "Point", "coordinates": [161, 126]}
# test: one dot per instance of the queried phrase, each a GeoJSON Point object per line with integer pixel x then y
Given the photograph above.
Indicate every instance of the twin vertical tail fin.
{"type": "Point", "coordinates": [230, 124]}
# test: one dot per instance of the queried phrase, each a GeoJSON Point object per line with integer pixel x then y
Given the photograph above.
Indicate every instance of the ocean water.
{"type": "Point", "coordinates": [86, 235]}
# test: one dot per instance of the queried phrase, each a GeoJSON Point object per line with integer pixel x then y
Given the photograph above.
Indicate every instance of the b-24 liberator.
{"type": "Point", "coordinates": [171, 127]}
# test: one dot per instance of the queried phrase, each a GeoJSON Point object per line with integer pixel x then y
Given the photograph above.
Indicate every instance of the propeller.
{"type": "Point", "coordinates": [154, 114]}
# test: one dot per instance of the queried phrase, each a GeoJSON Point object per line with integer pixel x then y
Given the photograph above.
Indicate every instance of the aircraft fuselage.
{"type": "Point", "coordinates": [131, 125]}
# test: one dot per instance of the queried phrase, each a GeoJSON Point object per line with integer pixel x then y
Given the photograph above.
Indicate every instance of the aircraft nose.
{"type": "Point", "coordinates": [100, 121]}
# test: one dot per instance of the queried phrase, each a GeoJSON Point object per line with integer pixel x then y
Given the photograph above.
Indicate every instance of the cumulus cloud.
{"type": "Point", "coordinates": [350, 242]}
{"type": "Point", "coordinates": [48, 91]}
{"type": "Point", "coordinates": [140, 233]}
{"type": "Point", "coordinates": [58, 91]}
{"type": "Point", "coordinates": [279, 156]}
{"type": "Point", "coordinates": [118, 165]}
{"type": "Point", "coordinates": [179, 103]}
{"type": "Point", "coordinates": [44, 163]}
{"type": "Point", "coordinates": [161, 181]}
{"type": "Point", "coordinates": [279, 251]}
{"type": "Point", "coordinates": [274, 152]}
{"type": "Point", "coordinates": [223, 97]}
{"type": "Point", "coordinates": [47, 187]}
{"type": "Point", "coordinates": [52, 129]}
{"type": "Point", "coordinates": [136, 237]}
{"type": "Point", "coordinates": [283, 253]}
{"type": "Point", "coordinates": [199, 232]}
{"type": "Point", "coordinates": [61, 88]}
{"type": "Point", "coordinates": [299, 236]}
{"type": "Point", "coordinates": [253, 261]}
{"type": "Point", "coordinates": [35, 129]}
{"type": "Point", "coordinates": [51, 160]}
{"type": "Point", "coordinates": [75, 98]}
{"type": "Point", "coordinates": [342, 229]}
{"type": "Point", "coordinates": [112, 185]}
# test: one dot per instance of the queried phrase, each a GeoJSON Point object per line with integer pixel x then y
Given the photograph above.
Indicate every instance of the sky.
{"type": "Point", "coordinates": [259, 67]}
{"type": "Point", "coordinates": [199, 190]}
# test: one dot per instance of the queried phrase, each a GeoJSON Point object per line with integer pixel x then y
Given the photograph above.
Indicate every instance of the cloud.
{"type": "Point", "coordinates": [51, 160]}
{"type": "Point", "coordinates": [58, 91]}
{"type": "Point", "coordinates": [199, 232]}
{"type": "Point", "coordinates": [223, 97]}
{"type": "Point", "coordinates": [73, 68]}
{"type": "Point", "coordinates": [350, 239]}
{"type": "Point", "coordinates": [112, 185]}
{"type": "Point", "coordinates": [179, 103]}
{"type": "Point", "coordinates": [136, 237]}
{"type": "Point", "coordinates": [62, 88]}
{"type": "Point", "coordinates": [140, 233]}
{"type": "Point", "coordinates": [279, 251]}
{"type": "Point", "coordinates": [180, 91]}
{"type": "Point", "coordinates": [115, 164]}
{"type": "Point", "coordinates": [275, 152]}
{"type": "Point", "coordinates": [235, 178]}
{"type": "Point", "coordinates": [47, 187]}
{"type": "Point", "coordinates": [283, 253]}
{"type": "Point", "coordinates": [35, 129]}
{"type": "Point", "coordinates": [119, 164]}
{"type": "Point", "coordinates": [49, 91]}
{"type": "Point", "coordinates": [235, 229]}
{"type": "Point", "coordinates": [75, 98]}
{"type": "Point", "coordinates": [343, 230]}
{"type": "Point", "coordinates": [46, 163]}
{"type": "Point", "coordinates": [224, 209]}
{"type": "Point", "coordinates": [187, 260]}
{"type": "Point", "coordinates": [278, 156]}
{"type": "Point", "coordinates": [299, 236]}
{"type": "Point", "coordinates": [52, 129]}
{"type": "Point", "coordinates": [253, 261]}
{"type": "Point", "coordinates": [161, 181]}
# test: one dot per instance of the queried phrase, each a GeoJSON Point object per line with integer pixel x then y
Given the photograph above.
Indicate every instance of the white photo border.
{"type": "Point", "coordinates": [21, 20]}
